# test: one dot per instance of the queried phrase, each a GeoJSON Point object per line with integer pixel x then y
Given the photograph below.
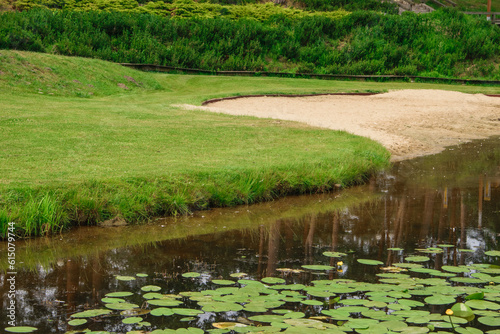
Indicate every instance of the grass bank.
{"type": "Point", "coordinates": [68, 160]}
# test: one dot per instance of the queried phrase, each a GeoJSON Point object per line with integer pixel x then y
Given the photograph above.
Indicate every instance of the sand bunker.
{"type": "Point", "coordinates": [408, 122]}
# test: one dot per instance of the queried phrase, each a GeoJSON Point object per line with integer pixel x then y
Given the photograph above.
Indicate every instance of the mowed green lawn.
{"type": "Point", "coordinates": [78, 149]}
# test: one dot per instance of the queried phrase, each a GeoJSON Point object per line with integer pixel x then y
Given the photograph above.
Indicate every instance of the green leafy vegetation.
{"type": "Point", "coordinates": [444, 43]}
{"type": "Point", "coordinates": [405, 304]}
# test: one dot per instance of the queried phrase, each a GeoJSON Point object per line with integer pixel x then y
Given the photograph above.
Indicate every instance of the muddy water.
{"type": "Point", "coordinates": [451, 198]}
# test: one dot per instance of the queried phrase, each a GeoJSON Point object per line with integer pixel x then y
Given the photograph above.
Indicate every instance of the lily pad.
{"type": "Point", "coordinates": [21, 329]}
{"type": "Point", "coordinates": [273, 280]}
{"type": "Point", "coordinates": [164, 302]}
{"type": "Point", "coordinates": [77, 322]}
{"type": "Point", "coordinates": [492, 253]}
{"type": "Point", "coordinates": [439, 300]}
{"type": "Point", "coordinates": [191, 275]}
{"type": "Point", "coordinates": [370, 262]}
{"type": "Point", "coordinates": [317, 267]}
{"type": "Point", "coordinates": [141, 275]}
{"type": "Point", "coordinates": [417, 258]}
{"type": "Point", "coordinates": [161, 311]}
{"type": "Point", "coordinates": [132, 320]}
{"type": "Point", "coordinates": [122, 306]}
{"type": "Point", "coordinates": [186, 312]}
{"type": "Point", "coordinates": [91, 313]}
{"type": "Point", "coordinates": [150, 288]}
{"type": "Point", "coordinates": [482, 305]}
{"type": "Point", "coordinates": [334, 254]}
{"type": "Point", "coordinates": [223, 282]}
{"type": "Point", "coordinates": [119, 294]}
{"type": "Point", "coordinates": [125, 278]}
{"type": "Point", "coordinates": [134, 312]}
{"type": "Point", "coordinates": [490, 321]}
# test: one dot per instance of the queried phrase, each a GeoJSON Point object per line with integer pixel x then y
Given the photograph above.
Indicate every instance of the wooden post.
{"type": "Point", "coordinates": [489, 10]}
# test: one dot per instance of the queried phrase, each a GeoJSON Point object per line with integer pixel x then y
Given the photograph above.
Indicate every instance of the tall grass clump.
{"type": "Point", "coordinates": [42, 215]}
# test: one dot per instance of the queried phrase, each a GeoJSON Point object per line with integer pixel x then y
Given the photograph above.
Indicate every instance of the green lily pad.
{"type": "Point", "coordinates": [312, 302]}
{"type": "Point", "coordinates": [125, 278]}
{"type": "Point", "coordinates": [317, 267]}
{"type": "Point", "coordinates": [132, 320]}
{"type": "Point", "coordinates": [122, 306]}
{"type": "Point", "coordinates": [475, 296]}
{"type": "Point", "coordinates": [492, 253]}
{"type": "Point", "coordinates": [490, 321]}
{"type": "Point", "coordinates": [141, 275]}
{"type": "Point", "coordinates": [370, 262]}
{"type": "Point", "coordinates": [439, 300]}
{"type": "Point", "coordinates": [91, 313]}
{"type": "Point", "coordinates": [150, 288]}
{"type": "Point", "coordinates": [119, 294]}
{"type": "Point", "coordinates": [466, 250]}
{"type": "Point", "coordinates": [161, 311]}
{"type": "Point", "coordinates": [191, 275]}
{"type": "Point", "coordinates": [337, 314]}
{"type": "Point", "coordinates": [468, 330]}
{"type": "Point", "coordinates": [334, 254]}
{"type": "Point", "coordinates": [112, 300]}
{"type": "Point", "coordinates": [152, 295]}
{"type": "Point", "coordinates": [267, 318]}
{"type": "Point", "coordinates": [273, 280]}
{"type": "Point", "coordinates": [461, 310]}
{"type": "Point", "coordinates": [395, 249]}
{"type": "Point", "coordinates": [21, 329]}
{"type": "Point", "coordinates": [482, 305]}
{"type": "Point", "coordinates": [360, 323]}
{"type": "Point", "coordinates": [223, 282]}
{"type": "Point", "coordinates": [445, 245]}
{"type": "Point", "coordinates": [77, 322]}
{"type": "Point", "coordinates": [417, 258]}
{"type": "Point", "coordinates": [455, 269]}
{"type": "Point", "coordinates": [164, 302]}
{"type": "Point", "coordinates": [186, 312]}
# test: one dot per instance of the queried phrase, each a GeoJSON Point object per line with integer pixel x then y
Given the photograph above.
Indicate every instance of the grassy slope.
{"type": "Point", "coordinates": [67, 159]}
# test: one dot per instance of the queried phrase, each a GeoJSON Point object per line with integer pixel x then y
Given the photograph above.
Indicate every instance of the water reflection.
{"type": "Point", "coordinates": [452, 198]}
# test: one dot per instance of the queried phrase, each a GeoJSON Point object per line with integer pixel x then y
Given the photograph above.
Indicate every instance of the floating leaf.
{"type": "Point", "coordinates": [141, 275]}
{"type": "Point", "coordinates": [395, 249]}
{"type": "Point", "coordinates": [238, 275]}
{"type": "Point", "coordinates": [312, 302]}
{"type": "Point", "coordinates": [191, 275]}
{"type": "Point", "coordinates": [492, 253]}
{"type": "Point", "coordinates": [152, 295]}
{"type": "Point", "coordinates": [317, 267]}
{"type": "Point", "coordinates": [468, 330]}
{"type": "Point", "coordinates": [119, 294]}
{"type": "Point", "coordinates": [334, 254]}
{"type": "Point", "coordinates": [132, 320]}
{"type": "Point", "coordinates": [77, 322]}
{"type": "Point", "coordinates": [462, 311]}
{"type": "Point", "coordinates": [474, 296]}
{"type": "Point", "coordinates": [164, 302]}
{"type": "Point", "coordinates": [370, 262]}
{"type": "Point", "coordinates": [439, 300]}
{"type": "Point", "coordinates": [223, 282]}
{"type": "Point", "coordinates": [273, 280]}
{"type": "Point", "coordinates": [186, 312]}
{"type": "Point", "coordinates": [445, 245]}
{"type": "Point", "coordinates": [121, 306]}
{"type": "Point", "coordinates": [21, 329]}
{"type": "Point", "coordinates": [161, 311]}
{"type": "Point", "coordinates": [91, 313]}
{"type": "Point", "coordinates": [455, 269]}
{"type": "Point", "coordinates": [112, 300]}
{"type": "Point", "coordinates": [482, 305]}
{"type": "Point", "coordinates": [417, 258]}
{"type": "Point", "coordinates": [466, 250]}
{"type": "Point", "coordinates": [490, 321]}
{"type": "Point", "coordinates": [148, 288]}
{"type": "Point", "coordinates": [125, 278]}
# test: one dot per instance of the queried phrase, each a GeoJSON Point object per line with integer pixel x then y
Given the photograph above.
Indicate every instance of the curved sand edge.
{"type": "Point", "coordinates": [408, 123]}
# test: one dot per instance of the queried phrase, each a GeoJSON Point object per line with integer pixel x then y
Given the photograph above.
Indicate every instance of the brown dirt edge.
{"type": "Point", "coordinates": [204, 103]}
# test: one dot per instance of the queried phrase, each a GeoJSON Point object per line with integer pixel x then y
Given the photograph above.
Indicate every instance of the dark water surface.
{"type": "Point", "coordinates": [451, 198]}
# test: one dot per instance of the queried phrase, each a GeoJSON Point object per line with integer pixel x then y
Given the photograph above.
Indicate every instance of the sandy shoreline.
{"type": "Point", "coordinates": [408, 122]}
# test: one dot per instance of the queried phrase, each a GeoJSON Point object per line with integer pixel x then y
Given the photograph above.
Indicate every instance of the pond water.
{"type": "Point", "coordinates": [444, 209]}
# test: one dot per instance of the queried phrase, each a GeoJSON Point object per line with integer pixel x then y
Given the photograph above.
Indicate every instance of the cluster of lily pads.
{"type": "Point", "coordinates": [407, 298]}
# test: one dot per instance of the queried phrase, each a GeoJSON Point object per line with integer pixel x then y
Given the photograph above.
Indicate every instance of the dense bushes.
{"type": "Point", "coordinates": [444, 43]}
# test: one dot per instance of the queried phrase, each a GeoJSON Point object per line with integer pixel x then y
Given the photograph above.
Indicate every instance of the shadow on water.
{"type": "Point", "coordinates": [450, 199]}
